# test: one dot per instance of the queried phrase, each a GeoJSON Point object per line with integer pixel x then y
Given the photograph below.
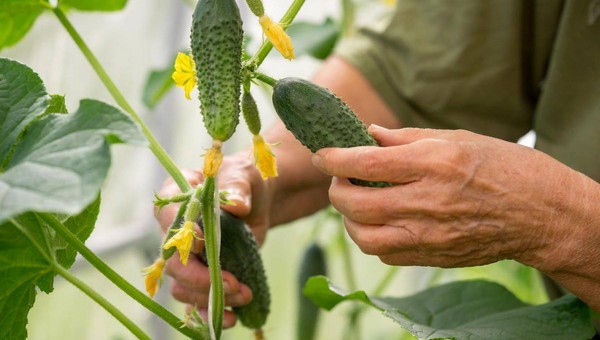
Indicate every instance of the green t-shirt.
{"type": "Point", "coordinates": [495, 67]}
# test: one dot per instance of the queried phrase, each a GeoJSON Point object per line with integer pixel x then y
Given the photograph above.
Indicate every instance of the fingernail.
{"type": "Point", "coordinates": [236, 300]}
{"type": "Point", "coordinates": [376, 127]}
{"type": "Point", "coordinates": [227, 287]}
{"type": "Point", "coordinates": [317, 160]}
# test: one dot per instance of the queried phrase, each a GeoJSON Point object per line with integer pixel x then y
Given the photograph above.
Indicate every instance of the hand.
{"type": "Point", "coordinates": [461, 199]}
{"type": "Point", "coordinates": [248, 191]}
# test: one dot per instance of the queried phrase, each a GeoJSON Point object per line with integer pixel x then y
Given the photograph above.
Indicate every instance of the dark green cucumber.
{"type": "Point", "coordinates": [313, 264]}
{"type": "Point", "coordinates": [319, 119]}
{"type": "Point", "coordinates": [240, 256]}
{"type": "Point", "coordinates": [217, 50]}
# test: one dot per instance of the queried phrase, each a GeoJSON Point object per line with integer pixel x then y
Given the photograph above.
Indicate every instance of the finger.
{"type": "Point", "coordinates": [387, 137]}
{"type": "Point", "coordinates": [184, 294]}
{"type": "Point", "coordinates": [198, 241]}
{"type": "Point", "coordinates": [377, 205]}
{"type": "Point", "coordinates": [397, 164]}
{"type": "Point", "coordinates": [195, 275]}
{"type": "Point", "coordinates": [229, 318]}
{"type": "Point", "coordinates": [166, 216]}
{"type": "Point", "coordinates": [170, 188]}
{"type": "Point", "coordinates": [383, 239]}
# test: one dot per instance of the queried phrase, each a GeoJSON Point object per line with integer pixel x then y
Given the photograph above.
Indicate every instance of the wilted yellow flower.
{"type": "Point", "coordinates": [185, 73]}
{"type": "Point", "coordinates": [212, 160]}
{"type": "Point", "coordinates": [183, 241]}
{"type": "Point", "coordinates": [275, 33]}
{"type": "Point", "coordinates": [264, 158]}
{"type": "Point", "coordinates": [153, 276]}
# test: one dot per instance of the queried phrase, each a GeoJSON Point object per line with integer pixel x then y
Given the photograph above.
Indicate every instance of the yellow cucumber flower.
{"type": "Point", "coordinates": [153, 276]}
{"type": "Point", "coordinates": [390, 3]}
{"type": "Point", "coordinates": [275, 33]}
{"type": "Point", "coordinates": [183, 241]}
{"type": "Point", "coordinates": [212, 160]}
{"type": "Point", "coordinates": [185, 73]}
{"type": "Point", "coordinates": [264, 158]}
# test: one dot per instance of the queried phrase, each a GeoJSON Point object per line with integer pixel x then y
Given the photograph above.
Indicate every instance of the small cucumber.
{"type": "Point", "coordinates": [217, 38]}
{"type": "Point", "coordinates": [240, 256]}
{"type": "Point", "coordinates": [313, 264]}
{"type": "Point", "coordinates": [319, 119]}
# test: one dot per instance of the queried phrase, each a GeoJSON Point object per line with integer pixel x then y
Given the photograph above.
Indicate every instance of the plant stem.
{"type": "Point", "coordinates": [266, 46]}
{"type": "Point", "coordinates": [353, 330]}
{"type": "Point", "coordinates": [155, 147]}
{"type": "Point", "coordinates": [347, 20]}
{"type": "Point", "coordinates": [386, 280]}
{"type": "Point", "coordinates": [265, 79]}
{"type": "Point", "coordinates": [114, 311]}
{"type": "Point", "coordinates": [114, 277]}
{"type": "Point", "coordinates": [347, 259]}
{"type": "Point", "coordinates": [212, 235]}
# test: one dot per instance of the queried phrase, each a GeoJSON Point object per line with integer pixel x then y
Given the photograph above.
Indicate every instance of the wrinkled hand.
{"type": "Point", "coordinates": [246, 189]}
{"type": "Point", "coordinates": [462, 199]}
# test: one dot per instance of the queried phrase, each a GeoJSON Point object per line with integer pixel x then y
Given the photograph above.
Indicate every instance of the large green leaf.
{"type": "Point", "coordinates": [16, 18]}
{"type": "Point", "coordinates": [61, 160]}
{"type": "Point", "coordinates": [27, 249]}
{"type": "Point", "coordinates": [95, 5]}
{"type": "Point", "coordinates": [317, 40]}
{"type": "Point", "coordinates": [468, 310]}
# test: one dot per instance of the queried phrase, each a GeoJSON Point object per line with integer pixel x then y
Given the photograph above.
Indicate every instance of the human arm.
{"type": "Point", "coordinates": [465, 199]}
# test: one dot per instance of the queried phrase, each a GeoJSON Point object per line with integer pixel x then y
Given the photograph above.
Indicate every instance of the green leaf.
{"type": "Point", "coordinates": [159, 82]}
{"type": "Point", "coordinates": [22, 99]}
{"type": "Point", "coordinates": [317, 40]}
{"type": "Point", "coordinates": [80, 225]}
{"type": "Point", "coordinates": [468, 310]}
{"type": "Point", "coordinates": [94, 5]}
{"type": "Point", "coordinates": [16, 19]}
{"type": "Point", "coordinates": [27, 249]}
{"type": "Point", "coordinates": [23, 260]}
{"type": "Point", "coordinates": [60, 162]}
{"type": "Point", "coordinates": [56, 104]}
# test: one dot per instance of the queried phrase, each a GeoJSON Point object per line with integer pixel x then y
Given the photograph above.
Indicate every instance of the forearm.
{"type": "Point", "coordinates": [574, 261]}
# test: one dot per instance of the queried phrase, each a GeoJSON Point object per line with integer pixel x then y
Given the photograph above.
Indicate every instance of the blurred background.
{"type": "Point", "coordinates": [130, 44]}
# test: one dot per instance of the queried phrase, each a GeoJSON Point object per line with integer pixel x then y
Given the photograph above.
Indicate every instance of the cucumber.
{"type": "Point", "coordinates": [240, 256]}
{"type": "Point", "coordinates": [319, 119]}
{"type": "Point", "coordinates": [217, 50]}
{"type": "Point", "coordinates": [313, 264]}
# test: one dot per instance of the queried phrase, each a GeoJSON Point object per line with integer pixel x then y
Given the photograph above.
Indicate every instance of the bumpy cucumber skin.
{"type": "Point", "coordinates": [240, 256]}
{"type": "Point", "coordinates": [313, 264]}
{"type": "Point", "coordinates": [217, 50]}
{"type": "Point", "coordinates": [250, 112]}
{"type": "Point", "coordinates": [319, 119]}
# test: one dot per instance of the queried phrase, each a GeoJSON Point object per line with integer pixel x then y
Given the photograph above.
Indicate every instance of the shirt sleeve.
{"type": "Point", "coordinates": [449, 64]}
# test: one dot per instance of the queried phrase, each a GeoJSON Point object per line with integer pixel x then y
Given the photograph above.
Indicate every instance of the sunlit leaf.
{"type": "Point", "coordinates": [468, 310]}
{"type": "Point", "coordinates": [95, 5]}
{"type": "Point", "coordinates": [16, 19]}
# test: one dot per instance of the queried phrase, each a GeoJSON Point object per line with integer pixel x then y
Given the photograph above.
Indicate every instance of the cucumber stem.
{"type": "Point", "coordinates": [212, 236]}
{"type": "Point", "coordinates": [114, 277]}
{"type": "Point", "coordinates": [267, 46]}
{"type": "Point", "coordinates": [155, 147]}
{"type": "Point", "coordinates": [114, 311]}
{"type": "Point", "coordinates": [265, 79]}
